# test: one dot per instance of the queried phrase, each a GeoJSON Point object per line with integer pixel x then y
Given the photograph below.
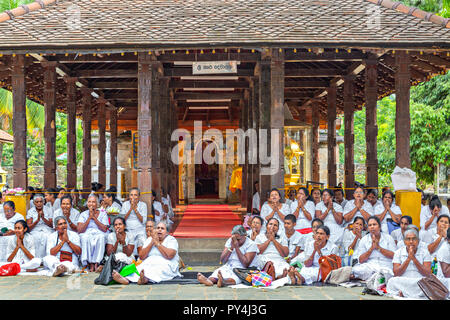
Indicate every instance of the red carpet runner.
{"type": "Point", "coordinates": [207, 221]}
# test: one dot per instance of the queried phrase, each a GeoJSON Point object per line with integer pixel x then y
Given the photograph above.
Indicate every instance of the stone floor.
{"type": "Point", "coordinates": [81, 287]}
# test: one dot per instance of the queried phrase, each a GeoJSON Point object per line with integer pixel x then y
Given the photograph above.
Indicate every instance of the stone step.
{"type": "Point", "coordinates": [200, 257]}
{"type": "Point", "coordinates": [201, 243]}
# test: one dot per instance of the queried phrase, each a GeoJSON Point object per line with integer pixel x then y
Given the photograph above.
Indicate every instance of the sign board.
{"type": "Point", "coordinates": [212, 67]}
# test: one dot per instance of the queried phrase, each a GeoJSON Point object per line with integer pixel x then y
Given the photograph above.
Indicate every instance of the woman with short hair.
{"type": "Point", "coordinates": [387, 210]}
{"type": "Point", "coordinates": [375, 252]}
{"type": "Point", "coordinates": [331, 214]}
{"type": "Point", "coordinates": [350, 240]}
{"type": "Point", "coordinates": [358, 207]}
{"type": "Point", "coordinates": [436, 237]}
{"type": "Point", "coordinates": [67, 210]}
{"type": "Point", "coordinates": [93, 227]}
{"type": "Point", "coordinates": [40, 223]}
{"type": "Point", "coordinates": [21, 248]}
{"type": "Point", "coordinates": [398, 233]}
{"type": "Point", "coordinates": [303, 210]}
{"type": "Point", "coordinates": [430, 213]}
{"type": "Point", "coordinates": [410, 264]}
{"type": "Point", "coordinates": [7, 221]}
{"type": "Point", "coordinates": [239, 252]}
{"type": "Point", "coordinates": [256, 226]}
{"type": "Point", "coordinates": [135, 213]}
{"type": "Point", "coordinates": [63, 249]}
{"type": "Point", "coordinates": [160, 259]}
{"type": "Point", "coordinates": [321, 246]}
{"type": "Point", "coordinates": [273, 248]}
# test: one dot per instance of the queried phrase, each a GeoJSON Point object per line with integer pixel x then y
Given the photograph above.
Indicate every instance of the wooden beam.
{"type": "Point", "coordinates": [305, 73]}
{"type": "Point", "coordinates": [208, 56]}
{"type": "Point", "coordinates": [291, 56]}
{"type": "Point", "coordinates": [106, 73]}
{"type": "Point", "coordinates": [185, 72]}
{"type": "Point", "coordinates": [434, 59]}
{"type": "Point", "coordinates": [306, 84]}
{"type": "Point", "coordinates": [425, 66]}
{"type": "Point", "coordinates": [202, 95]}
{"type": "Point", "coordinates": [208, 84]}
{"type": "Point", "coordinates": [122, 85]}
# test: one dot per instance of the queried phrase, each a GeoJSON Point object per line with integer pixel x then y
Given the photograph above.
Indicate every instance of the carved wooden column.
{"type": "Point", "coordinates": [402, 118]}
{"type": "Point", "coordinates": [20, 178]}
{"type": "Point", "coordinates": [251, 147]}
{"type": "Point", "coordinates": [332, 167]}
{"type": "Point", "coordinates": [113, 148]}
{"type": "Point", "coordinates": [101, 118]}
{"type": "Point", "coordinates": [50, 125]}
{"type": "Point", "coordinates": [277, 114]}
{"type": "Point", "coordinates": [264, 122]}
{"type": "Point", "coordinates": [87, 143]}
{"type": "Point", "coordinates": [371, 121]}
{"type": "Point", "coordinates": [175, 175]}
{"type": "Point", "coordinates": [71, 132]}
{"type": "Point", "coordinates": [255, 125]}
{"type": "Point", "coordinates": [315, 110]}
{"type": "Point", "coordinates": [349, 137]}
{"type": "Point", "coordinates": [156, 132]}
{"type": "Point", "coordinates": [144, 121]}
{"type": "Point", "coordinates": [243, 124]}
{"type": "Point", "coordinates": [164, 131]}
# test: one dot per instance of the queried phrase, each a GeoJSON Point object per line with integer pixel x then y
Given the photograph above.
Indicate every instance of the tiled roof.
{"type": "Point", "coordinates": [171, 23]}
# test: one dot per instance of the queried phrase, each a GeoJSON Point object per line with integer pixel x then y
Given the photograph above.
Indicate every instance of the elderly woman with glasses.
{"type": "Point", "coordinates": [239, 252]}
{"type": "Point", "coordinates": [93, 225]}
{"type": "Point", "coordinates": [63, 249]}
{"type": "Point", "coordinates": [40, 222]}
{"type": "Point", "coordinates": [411, 263]}
{"type": "Point", "coordinates": [160, 259]}
{"type": "Point", "coordinates": [375, 252]}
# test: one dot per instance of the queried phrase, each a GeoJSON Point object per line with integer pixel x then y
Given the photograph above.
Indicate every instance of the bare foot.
{"type": "Point", "coordinates": [142, 278]}
{"type": "Point", "coordinates": [99, 269]}
{"type": "Point", "coordinates": [292, 276]}
{"type": "Point", "coordinates": [202, 279]}
{"type": "Point", "coordinates": [297, 274]}
{"type": "Point", "coordinates": [91, 267]}
{"type": "Point", "coordinates": [118, 278]}
{"type": "Point", "coordinates": [59, 270]}
{"type": "Point", "coordinates": [400, 294]}
{"type": "Point", "coordinates": [220, 282]}
{"type": "Point", "coordinates": [284, 274]}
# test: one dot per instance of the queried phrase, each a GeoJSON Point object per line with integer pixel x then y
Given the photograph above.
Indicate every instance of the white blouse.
{"type": "Point", "coordinates": [431, 236]}
{"type": "Point", "coordinates": [248, 246]}
{"type": "Point", "coordinates": [74, 216]}
{"type": "Point", "coordinates": [20, 257]}
{"type": "Point", "coordinates": [386, 242]}
{"type": "Point", "coordinates": [379, 209]}
{"type": "Point", "coordinates": [330, 248]}
{"type": "Point", "coordinates": [443, 255]}
{"type": "Point", "coordinates": [302, 221]}
{"type": "Point", "coordinates": [271, 251]}
{"type": "Point", "coordinates": [294, 242]}
{"type": "Point", "coordinates": [112, 238]}
{"type": "Point", "coordinates": [102, 217]}
{"type": "Point", "coordinates": [266, 210]}
{"type": "Point", "coordinates": [425, 215]}
{"type": "Point", "coordinates": [53, 240]}
{"type": "Point", "coordinates": [350, 205]}
{"type": "Point", "coordinates": [422, 255]}
{"type": "Point", "coordinates": [41, 226]}
{"type": "Point", "coordinates": [347, 239]}
{"type": "Point", "coordinates": [132, 220]}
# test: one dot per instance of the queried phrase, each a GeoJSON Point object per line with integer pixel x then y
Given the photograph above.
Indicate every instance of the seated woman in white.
{"type": "Point", "coordinates": [372, 198]}
{"type": "Point", "coordinates": [397, 234]}
{"type": "Point", "coordinates": [21, 248]}
{"type": "Point", "coordinates": [387, 210]}
{"type": "Point", "coordinates": [358, 207]}
{"type": "Point", "coordinates": [92, 226]}
{"type": "Point", "coordinates": [67, 210]}
{"type": "Point", "coordinates": [304, 210]}
{"type": "Point", "coordinates": [410, 264]}
{"type": "Point", "coordinates": [321, 246]}
{"type": "Point", "coordinates": [305, 239]}
{"type": "Point", "coordinates": [256, 225]}
{"type": "Point", "coordinates": [374, 253]}
{"type": "Point", "coordinates": [350, 240]}
{"type": "Point", "coordinates": [293, 237]}
{"type": "Point", "coordinates": [239, 252]}
{"type": "Point", "coordinates": [109, 201]}
{"type": "Point", "coordinates": [275, 209]}
{"type": "Point", "coordinates": [135, 214]}
{"type": "Point", "coordinates": [167, 214]}
{"type": "Point", "coordinates": [443, 258]}
{"type": "Point", "coordinates": [7, 222]}
{"type": "Point", "coordinates": [436, 237]}
{"type": "Point", "coordinates": [119, 242]}
{"type": "Point", "coordinates": [157, 209]}
{"type": "Point", "coordinates": [160, 259]}
{"type": "Point", "coordinates": [429, 215]}
{"type": "Point", "coordinates": [331, 215]}
{"type": "Point", "coordinates": [273, 248]}
{"type": "Point", "coordinates": [40, 222]}
{"type": "Point", "coordinates": [63, 249]}
{"type": "Point", "coordinates": [256, 201]}
{"type": "Point", "coordinates": [51, 199]}
{"type": "Point", "coordinates": [316, 196]}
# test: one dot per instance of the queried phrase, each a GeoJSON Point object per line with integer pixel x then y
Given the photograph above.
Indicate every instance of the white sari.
{"type": "Point", "coordinates": [93, 240]}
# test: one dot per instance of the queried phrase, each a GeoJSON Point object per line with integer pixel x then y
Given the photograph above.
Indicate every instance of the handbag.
{"type": "Point", "coordinates": [392, 225]}
{"type": "Point", "coordinates": [245, 274]}
{"type": "Point", "coordinates": [261, 279]}
{"type": "Point", "coordinates": [433, 288]}
{"type": "Point", "coordinates": [65, 256]}
{"type": "Point", "coordinates": [328, 263]}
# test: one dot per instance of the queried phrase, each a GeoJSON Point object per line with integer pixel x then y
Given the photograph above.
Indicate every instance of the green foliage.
{"type": "Point", "coordinates": [11, 4]}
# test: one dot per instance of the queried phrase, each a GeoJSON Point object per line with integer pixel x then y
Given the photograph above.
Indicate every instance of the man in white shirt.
{"type": "Point", "coordinates": [256, 201]}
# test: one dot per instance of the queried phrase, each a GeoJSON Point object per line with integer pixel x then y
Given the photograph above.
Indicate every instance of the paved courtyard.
{"type": "Point", "coordinates": [82, 287]}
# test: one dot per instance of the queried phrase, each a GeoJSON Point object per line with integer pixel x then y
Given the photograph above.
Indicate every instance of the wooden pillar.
{"type": "Point", "coordinates": [332, 167]}
{"type": "Point", "coordinates": [87, 143]}
{"type": "Point", "coordinates": [71, 181]}
{"type": "Point", "coordinates": [402, 118]}
{"type": "Point", "coordinates": [255, 122]}
{"type": "Point", "coordinates": [264, 122]}
{"type": "Point", "coordinates": [20, 178]}
{"type": "Point", "coordinates": [315, 110]}
{"type": "Point", "coordinates": [113, 148]}
{"type": "Point", "coordinates": [174, 196]}
{"type": "Point", "coordinates": [243, 124]}
{"type": "Point", "coordinates": [101, 118]}
{"type": "Point", "coordinates": [155, 132]}
{"type": "Point", "coordinates": [277, 114]}
{"type": "Point", "coordinates": [164, 132]}
{"type": "Point", "coordinates": [250, 173]}
{"type": "Point", "coordinates": [144, 121]}
{"type": "Point", "coordinates": [349, 137]}
{"type": "Point", "coordinates": [371, 121]}
{"type": "Point", "coordinates": [50, 125]}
